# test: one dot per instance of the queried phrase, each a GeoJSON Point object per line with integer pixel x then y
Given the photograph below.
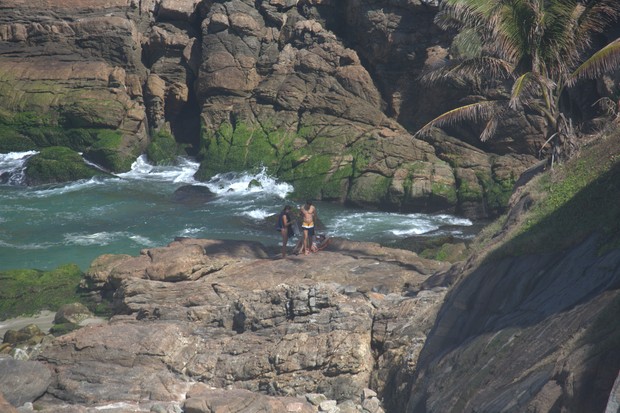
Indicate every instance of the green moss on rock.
{"type": "Point", "coordinates": [497, 191]}
{"type": "Point", "coordinates": [163, 149]}
{"type": "Point", "coordinates": [108, 151]}
{"type": "Point", "coordinates": [57, 164]}
{"type": "Point", "coordinates": [445, 192]}
{"type": "Point", "coordinates": [28, 291]}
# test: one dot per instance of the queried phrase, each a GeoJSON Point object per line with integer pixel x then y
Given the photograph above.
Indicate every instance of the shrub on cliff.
{"type": "Point", "coordinates": [564, 206]}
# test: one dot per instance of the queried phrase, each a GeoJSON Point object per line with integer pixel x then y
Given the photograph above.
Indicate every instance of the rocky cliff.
{"type": "Point", "coordinates": [529, 323]}
{"type": "Point", "coordinates": [320, 92]}
{"type": "Point", "coordinates": [204, 325]}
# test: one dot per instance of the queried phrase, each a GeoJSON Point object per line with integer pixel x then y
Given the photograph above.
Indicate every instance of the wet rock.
{"type": "Point", "coordinates": [193, 194]}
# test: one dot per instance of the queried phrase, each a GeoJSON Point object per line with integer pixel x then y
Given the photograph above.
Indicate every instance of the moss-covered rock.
{"type": "Point", "coordinates": [80, 110]}
{"type": "Point", "coordinates": [238, 148]}
{"type": "Point", "coordinates": [369, 188]}
{"type": "Point", "coordinates": [310, 164]}
{"type": "Point", "coordinates": [28, 291]}
{"type": "Point", "coordinates": [110, 151]}
{"type": "Point", "coordinates": [163, 149]}
{"type": "Point", "coordinates": [57, 164]}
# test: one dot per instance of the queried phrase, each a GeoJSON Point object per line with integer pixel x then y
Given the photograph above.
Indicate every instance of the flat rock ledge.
{"type": "Point", "coordinates": [213, 326]}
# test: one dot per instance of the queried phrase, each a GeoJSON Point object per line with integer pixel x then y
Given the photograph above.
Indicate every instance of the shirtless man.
{"type": "Point", "coordinates": [308, 215]}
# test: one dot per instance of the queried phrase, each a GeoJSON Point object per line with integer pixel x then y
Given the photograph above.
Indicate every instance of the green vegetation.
{"type": "Point", "coordinates": [242, 147]}
{"type": "Point", "coordinates": [497, 192]}
{"type": "Point", "coordinates": [539, 44]}
{"type": "Point", "coordinates": [26, 292]}
{"type": "Point", "coordinates": [163, 149]}
{"type": "Point", "coordinates": [447, 192]}
{"type": "Point", "coordinates": [571, 202]}
{"type": "Point", "coordinates": [33, 130]}
{"type": "Point", "coordinates": [238, 147]}
{"type": "Point", "coordinates": [108, 151]}
{"type": "Point", "coordinates": [57, 164]}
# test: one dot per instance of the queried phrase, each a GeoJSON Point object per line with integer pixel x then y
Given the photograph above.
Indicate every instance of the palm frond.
{"type": "Point", "coordinates": [597, 16]}
{"type": "Point", "coordinates": [603, 61]}
{"type": "Point", "coordinates": [469, 13]}
{"type": "Point", "coordinates": [489, 129]}
{"type": "Point", "coordinates": [468, 68]}
{"type": "Point", "coordinates": [518, 89]}
{"type": "Point", "coordinates": [475, 112]}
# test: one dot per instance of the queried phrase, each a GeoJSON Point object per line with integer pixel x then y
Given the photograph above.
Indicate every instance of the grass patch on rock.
{"type": "Point", "coordinates": [569, 203]}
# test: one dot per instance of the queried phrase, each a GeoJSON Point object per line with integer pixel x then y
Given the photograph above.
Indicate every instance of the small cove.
{"type": "Point", "coordinates": [44, 227]}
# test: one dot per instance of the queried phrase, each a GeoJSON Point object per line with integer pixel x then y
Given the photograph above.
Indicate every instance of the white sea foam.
{"type": "Point", "coordinates": [182, 172]}
{"type": "Point", "coordinates": [232, 184]}
{"type": "Point", "coordinates": [105, 238]}
{"type": "Point", "coordinates": [189, 232]}
{"type": "Point", "coordinates": [13, 164]}
{"type": "Point", "coordinates": [119, 405]}
{"type": "Point", "coordinates": [140, 240]}
{"type": "Point", "coordinates": [399, 225]}
{"type": "Point", "coordinates": [257, 214]}
{"type": "Point", "coordinates": [31, 246]}
{"type": "Point", "coordinates": [68, 188]}
{"type": "Point", "coordinates": [98, 238]}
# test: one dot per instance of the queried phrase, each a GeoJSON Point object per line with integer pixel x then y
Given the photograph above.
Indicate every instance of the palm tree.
{"type": "Point", "coordinates": [536, 45]}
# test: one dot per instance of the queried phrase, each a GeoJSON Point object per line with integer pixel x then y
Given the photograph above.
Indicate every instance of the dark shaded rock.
{"type": "Point", "coordinates": [193, 194]}
{"type": "Point", "coordinates": [539, 303]}
{"type": "Point", "coordinates": [29, 335]}
{"type": "Point", "coordinates": [23, 381]}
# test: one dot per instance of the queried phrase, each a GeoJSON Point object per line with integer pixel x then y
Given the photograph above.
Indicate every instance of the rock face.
{"type": "Point", "coordinates": [279, 88]}
{"type": "Point", "coordinates": [71, 77]}
{"type": "Point", "coordinates": [308, 89]}
{"type": "Point", "coordinates": [538, 336]}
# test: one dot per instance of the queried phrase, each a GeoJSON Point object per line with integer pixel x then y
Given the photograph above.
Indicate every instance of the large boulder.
{"type": "Point", "coordinates": [57, 164]}
{"type": "Point", "coordinates": [22, 381]}
{"type": "Point", "coordinates": [72, 80]}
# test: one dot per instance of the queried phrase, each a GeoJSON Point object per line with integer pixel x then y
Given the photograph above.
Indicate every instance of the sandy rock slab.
{"type": "Point", "coordinates": [252, 332]}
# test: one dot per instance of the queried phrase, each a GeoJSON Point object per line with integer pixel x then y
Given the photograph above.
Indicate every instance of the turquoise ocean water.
{"type": "Point", "coordinates": [43, 227]}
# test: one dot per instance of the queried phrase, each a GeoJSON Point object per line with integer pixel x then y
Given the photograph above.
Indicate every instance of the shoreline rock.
{"type": "Point", "coordinates": [275, 328]}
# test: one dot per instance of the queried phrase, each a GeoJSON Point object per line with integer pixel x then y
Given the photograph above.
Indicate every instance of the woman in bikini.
{"type": "Point", "coordinates": [285, 226]}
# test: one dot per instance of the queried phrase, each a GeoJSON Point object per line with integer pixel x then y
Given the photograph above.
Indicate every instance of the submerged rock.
{"type": "Point", "coordinates": [193, 194]}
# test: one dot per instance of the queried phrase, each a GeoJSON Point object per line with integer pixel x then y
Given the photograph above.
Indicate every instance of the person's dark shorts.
{"type": "Point", "coordinates": [310, 231]}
